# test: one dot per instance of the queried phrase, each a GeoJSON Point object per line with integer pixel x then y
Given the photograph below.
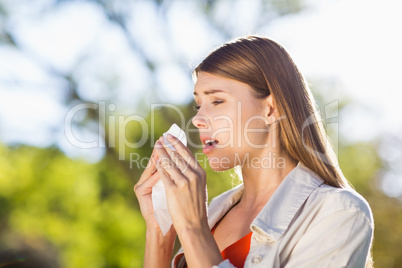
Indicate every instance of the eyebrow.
{"type": "Point", "coordinates": [209, 92]}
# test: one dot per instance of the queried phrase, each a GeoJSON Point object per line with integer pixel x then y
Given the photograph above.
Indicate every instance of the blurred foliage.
{"type": "Point", "coordinates": [85, 211]}
{"type": "Point", "coordinates": [362, 165]}
{"type": "Point", "coordinates": [73, 213]}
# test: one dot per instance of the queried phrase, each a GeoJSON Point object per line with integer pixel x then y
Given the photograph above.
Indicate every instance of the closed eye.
{"type": "Point", "coordinates": [214, 102]}
{"type": "Point", "coordinates": [217, 102]}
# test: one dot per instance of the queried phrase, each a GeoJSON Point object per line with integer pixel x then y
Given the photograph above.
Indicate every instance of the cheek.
{"type": "Point", "coordinates": [240, 127]}
{"type": "Point", "coordinates": [226, 127]}
{"type": "Point", "coordinates": [254, 129]}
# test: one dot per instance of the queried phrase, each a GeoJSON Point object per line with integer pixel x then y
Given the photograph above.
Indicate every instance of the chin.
{"type": "Point", "coordinates": [218, 169]}
{"type": "Point", "coordinates": [219, 163]}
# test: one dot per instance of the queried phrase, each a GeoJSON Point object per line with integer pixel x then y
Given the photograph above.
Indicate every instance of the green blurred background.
{"type": "Point", "coordinates": [67, 171]}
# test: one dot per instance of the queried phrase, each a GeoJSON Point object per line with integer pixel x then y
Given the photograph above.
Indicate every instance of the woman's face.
{"type": "Point", "coordinates": [231, 121]}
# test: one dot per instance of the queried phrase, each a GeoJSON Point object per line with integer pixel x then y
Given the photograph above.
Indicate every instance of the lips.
{"type": "Point", "coordinates": [209, 144]}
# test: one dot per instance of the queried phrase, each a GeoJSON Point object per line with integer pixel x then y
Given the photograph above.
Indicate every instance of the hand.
{"type": "Point", "coordinates": [158, 248]}
{"type": "Point", "coordinates": [143, 191]}
{"type": "Point", "coordinates": [185, 184]}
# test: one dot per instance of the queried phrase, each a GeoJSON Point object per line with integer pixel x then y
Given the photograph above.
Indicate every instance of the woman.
{"type": "Point", "coordinates": [294, 208]}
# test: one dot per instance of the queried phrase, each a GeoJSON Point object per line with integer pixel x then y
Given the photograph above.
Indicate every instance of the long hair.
{"type": "Point", "coordinates": [267, 68]}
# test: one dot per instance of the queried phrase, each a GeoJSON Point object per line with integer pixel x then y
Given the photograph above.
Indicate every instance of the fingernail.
{"type": "Point", "coordinates": [158, 144]}
{"type": "Point", "coordinates": [170, 136]}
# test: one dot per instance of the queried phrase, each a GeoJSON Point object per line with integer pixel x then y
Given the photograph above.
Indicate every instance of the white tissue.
{"type": "Point", "coordinates": [161, 211]}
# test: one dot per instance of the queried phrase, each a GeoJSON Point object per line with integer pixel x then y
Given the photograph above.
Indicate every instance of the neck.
{"type": "Point", "coordinates": [261, 178]}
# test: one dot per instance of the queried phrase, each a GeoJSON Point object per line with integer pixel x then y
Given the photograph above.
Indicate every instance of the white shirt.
{"type": "Point", "coordinates": [306, 223]}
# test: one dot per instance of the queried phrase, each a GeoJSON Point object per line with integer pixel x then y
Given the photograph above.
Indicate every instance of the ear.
{"type": "Point", "coordinates": [271, 111]}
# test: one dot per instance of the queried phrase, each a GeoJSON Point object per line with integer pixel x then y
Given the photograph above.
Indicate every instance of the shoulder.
{"type": "Point", "coordinates": [334, 227]}
{"type": "Point", "coordinates": [330, 200]}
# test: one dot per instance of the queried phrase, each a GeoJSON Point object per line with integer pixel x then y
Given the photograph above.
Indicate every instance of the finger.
{"type": "Point", "coordinates": [148, 183]}
{"type": "Point", "coordinates": [186, 174]}
{"type": "Point", "coordinates": [178, 160]}
{"type": "Point", "coordinates": [181, 163]}
{"type": "Point", "coordinates": [149, 169]}
{"type": "Point", "coordinates": [189, 166]}
{"type": "Point", "coordinates": [182, 150]}
{"type": "Point", "coordinates": [164, 176]}
{"type": "Point", "coordinates": [151, 181]}
{"type": "Point", "coordinates": [166, 163]}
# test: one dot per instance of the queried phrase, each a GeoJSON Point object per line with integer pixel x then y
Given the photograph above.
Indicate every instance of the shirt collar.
{"type": "Point", "coordinates": [275, 217]}
{"type": "Point", "coordinates": [221, 204]}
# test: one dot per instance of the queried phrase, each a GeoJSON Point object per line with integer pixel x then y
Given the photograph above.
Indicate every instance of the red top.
{"type": "Point", "coordinates": [237, 252]}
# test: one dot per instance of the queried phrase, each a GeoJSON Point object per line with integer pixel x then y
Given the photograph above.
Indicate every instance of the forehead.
{"type": "Point", "coordinates": [207, 84]}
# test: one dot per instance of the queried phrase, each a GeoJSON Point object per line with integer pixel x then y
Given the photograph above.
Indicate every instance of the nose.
{"type": "Point", "coordinates": [200, 121]}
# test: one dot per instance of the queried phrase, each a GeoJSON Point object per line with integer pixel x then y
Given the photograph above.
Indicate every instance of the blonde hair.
{"type": "Point", "coordinates": [266, 67]}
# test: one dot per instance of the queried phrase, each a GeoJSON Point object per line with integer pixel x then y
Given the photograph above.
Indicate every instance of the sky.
{"type": "Point", "coordinates": [355, 43]}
